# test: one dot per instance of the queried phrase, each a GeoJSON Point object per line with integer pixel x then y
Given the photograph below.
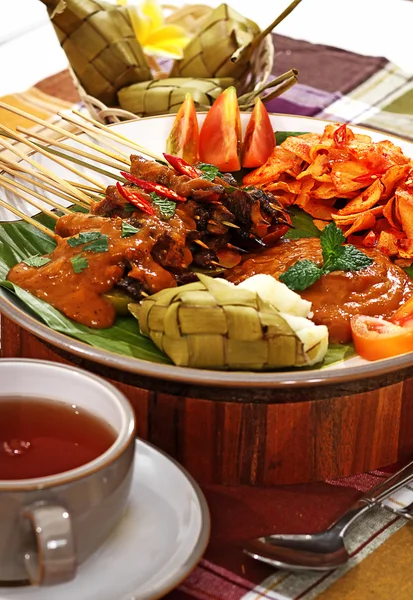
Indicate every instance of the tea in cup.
{"type": "Point", "coordinates": [66, 463]}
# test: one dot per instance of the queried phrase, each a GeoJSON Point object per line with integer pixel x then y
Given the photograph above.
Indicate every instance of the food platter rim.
{"type": "Point", "coordinates": [272, 114]}
{"type": "Point", "coordinates": [205, 377]}
{"type": "Point", "coordinates": [201, 377]}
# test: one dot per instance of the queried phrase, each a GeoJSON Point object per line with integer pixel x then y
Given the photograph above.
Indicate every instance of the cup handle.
{"type": "Point", "coordinates": [54, 558]}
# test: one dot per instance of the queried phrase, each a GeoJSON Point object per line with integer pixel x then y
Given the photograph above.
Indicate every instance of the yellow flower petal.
{"type": "Point", "coordinates": [166, 51]}
{"type": "Point", "coordinates": [121, 2]}
{"type": "Point", "coordinates": [153, 10]}
{"type": "Point", "coordinates": [141, 24]}
{"type": "Point", "coordinates": [171, 34]}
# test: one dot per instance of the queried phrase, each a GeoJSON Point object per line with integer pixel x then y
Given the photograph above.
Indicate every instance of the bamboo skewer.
{"type": "Point", "coordinates": [81, 163]}
{"type": "Point", "coordinates": [27, 174]}
{"type": "Point", "coordinates": [42, 150]}
{"type": "Point", "coordinates": [257, 40]}
{"type": "Point", "coordinates": [11, 184]}
{"type": "Point", "coordinates": [120, 137]}
{"type": "Point", "coordinates": [26, 218]}
{"type": "Point", "coordinates": [94, 131]}
{"type": "Point", "coordinates": [83, 186]}
{"type": "Point", "coordinates": [77, 193]}
{"type": "Point", "coordinates": [99, 134]}
{"type": "Point", "coordinates": [119, 166]}
{"type": "Point", "coordinates": [63, 132]}
{"type": "Point", "coordinates": [96, 195]}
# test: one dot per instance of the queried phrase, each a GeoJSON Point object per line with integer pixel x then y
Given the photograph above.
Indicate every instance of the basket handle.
{"type": "Point", "coordinates": [105, 115]}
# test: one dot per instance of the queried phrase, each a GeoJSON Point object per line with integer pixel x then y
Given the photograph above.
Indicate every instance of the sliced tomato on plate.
{"type": "Point", "coordinates": [259, 140]}
{"type": "Point", "coordinates": [404, 315]}
{"type": "Point", "coordinates": [220, 136]}
{"type": "Point", "coordinates": [183, 141]}
{"type": "Point", "coordinates": [375, 338]}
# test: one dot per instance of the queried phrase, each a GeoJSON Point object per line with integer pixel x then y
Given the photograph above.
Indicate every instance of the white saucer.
{"type": "Point", "coordinates": [160, 540]}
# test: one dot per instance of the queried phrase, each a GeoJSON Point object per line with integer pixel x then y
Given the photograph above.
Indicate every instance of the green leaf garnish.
{"type": "Point", "coordinates": [166, 207]}
{"type": "Point", "coordinates": [281, 136]}
{"type": "Point", "coordinates": [336, 257]}
{"type": "Point", "coordinates": [303, 225]}
{"type": "Point", "coordinates": [128, 230]}
{"type": "Point", "coordinates": [130, 208]}
{"type": "Point", "coordinates": [37, 261]}
{"type": "Point", "coordinates": [332, 240]}
{"type": "Point", "coordinates": [209, 171]}
{"type": "Point", "coordinates": [84, 238]}
{"type": "Point", "coordinates": [98, 245]}
{"type": "Point", "coordinates": [79, 263]}
{"type": "Point", "coordinates": [301, 275]}
{"type": "Point", "coordinates": [351, 259]}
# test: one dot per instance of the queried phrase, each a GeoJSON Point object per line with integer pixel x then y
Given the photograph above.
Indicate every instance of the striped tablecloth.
{"type": "Point", "coordinates": [341, 86]}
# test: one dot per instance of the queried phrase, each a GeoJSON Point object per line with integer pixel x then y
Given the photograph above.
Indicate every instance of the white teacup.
{"type": "Point", "coordinates": [49, 525]}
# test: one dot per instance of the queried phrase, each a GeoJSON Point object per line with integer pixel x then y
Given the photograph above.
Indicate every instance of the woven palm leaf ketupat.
{"type": "Point", "coordinates": [209, 53]}
{"type": "Point", "coordinates": [166, 95]}
{"type": "Point", "coordinates": [100, 45]}
{"type": "Point", "coordinates": [214, 324]}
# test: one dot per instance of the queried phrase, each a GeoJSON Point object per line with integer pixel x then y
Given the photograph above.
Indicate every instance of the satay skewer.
{"type": "Point", "coordinates": [72, 190]}
{"type": "Point", "coordinates": [44, 151]}
{"type": "Point", "coordinates": [121, 138]}
{"type": "Point", "coordinates": [65, 133]}
{"type": "Point", "coordinates": [26, 218]}
{"type": "Point", "coordinates": [23, 172]}
{"type": "Point", "coordinates": [15, 187]}
{"type": "Point", "coordinates": [11, 185]}
{"type": "Point", "coordinates": [59, 144]}
{"type": "Point", "coordinates": [83, 186]}
{"type": "Point", "coordinates": [78, 161]}
{"type": "Point", "coordinates": [103, 136]}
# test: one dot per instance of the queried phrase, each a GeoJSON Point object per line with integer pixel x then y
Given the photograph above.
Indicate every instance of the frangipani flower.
{"type": "Point", "coordinates": [156, 37]}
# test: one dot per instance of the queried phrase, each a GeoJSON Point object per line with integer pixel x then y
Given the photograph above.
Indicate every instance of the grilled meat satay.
{"type": "Point", "coordinates": [78, 274]}
{"type": "Point", "coordinates": [166, 251]}
{"type": "Point", "coordinates": [139, 248]}
{"type": "Point", "coordinates": [251, 209]}
{"type": "Point", "coordinates": [181, 184]}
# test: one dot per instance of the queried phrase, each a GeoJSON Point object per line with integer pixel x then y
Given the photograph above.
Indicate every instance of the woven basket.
{"type": "Point", "coordinates": [190, 18]}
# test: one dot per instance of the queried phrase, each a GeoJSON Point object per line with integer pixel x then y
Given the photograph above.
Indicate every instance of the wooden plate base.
{"type": "Point", "coordinates": [260, 437]}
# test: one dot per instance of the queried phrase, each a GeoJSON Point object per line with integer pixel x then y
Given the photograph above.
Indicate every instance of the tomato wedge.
{"type": "Point", "coordinates": [183, 141]}
{"type": "Point", "coordinates": [220, 136]}
{"type": "Point", "coordinates": [376, 338]}
{"type": "Point", "coordinates": [404, 315]}
{"type": "Point", "coordinates": [259, 140]}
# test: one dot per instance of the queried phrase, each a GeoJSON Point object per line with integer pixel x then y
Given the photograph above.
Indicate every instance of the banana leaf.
{"type": "Point", "coordinates": [20, 240]}
{"type": "Point", "coordinates": [303, 225]}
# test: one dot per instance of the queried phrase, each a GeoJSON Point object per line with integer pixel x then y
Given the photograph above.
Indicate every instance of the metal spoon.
{"type": "Point", "coordinates": [325, 550]}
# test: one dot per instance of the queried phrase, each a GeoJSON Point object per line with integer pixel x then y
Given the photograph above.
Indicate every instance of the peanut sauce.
{"type": "Point", "coordinates": [377, 290]}
{"type": "Point", "coordinates": [79, 295]}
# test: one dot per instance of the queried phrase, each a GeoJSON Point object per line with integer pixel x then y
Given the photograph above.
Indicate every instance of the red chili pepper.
{"type": "Point", "coordinates": [367, 179]}
{"type": "Point", "coordinates": [340, 136]}
{"type": "Point", "coordinates": [135, 198]}
{"type": "Point", "coordinates": [150, 186]}
{"type": "Point", "coordinates": [182, 167]}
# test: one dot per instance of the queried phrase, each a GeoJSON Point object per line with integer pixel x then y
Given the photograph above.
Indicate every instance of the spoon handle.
{"type": "Point", "coordinates": [390, 485]}
{"type": "Point", "coordinates": [373, 497]}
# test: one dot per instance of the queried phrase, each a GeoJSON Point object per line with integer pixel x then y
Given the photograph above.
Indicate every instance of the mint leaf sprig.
{"type": "Point", "coordinates": [336, 257]}
{"type": "Point", "coordinates": [166, 207]}
{"type": "Point", "coordinates": [37, 261]}
{"type": "Point", "coordinates": [209, 171]}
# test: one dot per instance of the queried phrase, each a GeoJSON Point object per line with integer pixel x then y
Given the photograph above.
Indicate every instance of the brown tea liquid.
{"type": "Point", "coordinates": [39, 437]}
